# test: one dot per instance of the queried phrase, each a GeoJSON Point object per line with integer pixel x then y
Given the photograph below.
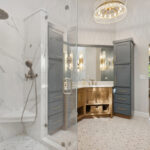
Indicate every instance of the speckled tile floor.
{"type": "Point", "coordinates": [114, 134]}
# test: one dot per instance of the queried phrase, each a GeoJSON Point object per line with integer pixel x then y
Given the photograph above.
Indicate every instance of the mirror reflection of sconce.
{"type": "Point", "coordinates": [110, 63]}
{"type": "Point", "coordinates": [103, 65]}
{"type": "Point", "coordinates": [80, 63]}
{"type": "Point", "coordinates": [68, 61]}
{"type": "Point", "coordinates": [149, 50]}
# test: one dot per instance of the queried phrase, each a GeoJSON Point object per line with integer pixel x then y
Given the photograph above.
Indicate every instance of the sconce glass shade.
{"type": "Point", "coordinates": [80, 63]}
{"type": "Point", "coordinates": [68, 61]}
{"type": "Point", "coordinates": [110, 11]}
{"type": "Point", "coordinates": [149, 50]}
{"type": "Point", "coordinates": [103, 61]}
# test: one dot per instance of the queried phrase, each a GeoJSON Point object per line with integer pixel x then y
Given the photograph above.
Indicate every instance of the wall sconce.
{"type": "Point", "coordinates": [149, 50]}
{"type": "Point", "coordinates": [68, 61]}
{"type": "Point", "coordinates": [80, 63]}
{"type": "Point", "coordinates": [103, 65]}
{"type": "Point", "coordinates": [110, 63]}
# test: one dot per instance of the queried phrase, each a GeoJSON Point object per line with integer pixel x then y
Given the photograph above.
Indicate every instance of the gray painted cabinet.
{"type": "Point", "coordinates": [55, 81]}
{"type": "Point", "coordinates": [122, 52]}
{"type": "Point", "coordinates": [124, 77]}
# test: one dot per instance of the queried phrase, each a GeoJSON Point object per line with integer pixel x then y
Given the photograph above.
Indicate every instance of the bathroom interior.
{"type": "Point", "coordinates": [74, 75]}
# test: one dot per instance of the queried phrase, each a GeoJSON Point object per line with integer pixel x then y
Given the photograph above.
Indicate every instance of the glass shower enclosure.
{"type": "Point", "coordinates": [62, 77]}
{"type": "Point", "coordinates": [38, 76]}
{"type": "Point", "coordinates": [54, 28]}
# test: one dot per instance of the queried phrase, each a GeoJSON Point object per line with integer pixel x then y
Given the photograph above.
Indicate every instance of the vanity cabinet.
{"type": "Point", "coordinates": [81, 98]}
{"type": "Point", "coordinates": [94, 102]}
{"type": "Point", "coordinates": [124, 77]}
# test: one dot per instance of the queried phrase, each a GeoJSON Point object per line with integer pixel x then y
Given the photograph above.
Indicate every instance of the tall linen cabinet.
{"type": "Point", "coordinates": [124, 77]}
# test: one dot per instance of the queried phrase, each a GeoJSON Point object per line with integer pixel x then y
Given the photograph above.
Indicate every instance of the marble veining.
{"type": "Point", "coordinates": [11, 76]}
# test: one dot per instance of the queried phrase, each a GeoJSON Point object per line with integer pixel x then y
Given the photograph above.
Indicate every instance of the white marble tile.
{"type": "Point", "coordinates": [32, 52]}
{"type": "Point", "coordinates": [11, 74]}
{"type": "Point", "coordinates": [21, 142]}
{"type": "Point", "coordinates": [8, 130]}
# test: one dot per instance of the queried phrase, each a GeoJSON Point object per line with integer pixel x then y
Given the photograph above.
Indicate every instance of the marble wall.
{"type": "Point", "coordinates": [11, 73]}
{"type": "Point", "coordinates": [33, 52]}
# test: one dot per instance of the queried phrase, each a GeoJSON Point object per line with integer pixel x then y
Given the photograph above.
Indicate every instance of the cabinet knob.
{"type": "Point", "coordinates": [114, 90]}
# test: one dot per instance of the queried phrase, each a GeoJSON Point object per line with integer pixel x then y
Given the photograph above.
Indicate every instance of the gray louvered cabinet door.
{"type": "Point", "coordinates": [55, 81]}
{"type": "Point", "coordinates": [124, 77]}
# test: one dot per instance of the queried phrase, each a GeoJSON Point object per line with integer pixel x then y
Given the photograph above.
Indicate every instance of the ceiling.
{"type": "Point", "coordinates": [138, 12]}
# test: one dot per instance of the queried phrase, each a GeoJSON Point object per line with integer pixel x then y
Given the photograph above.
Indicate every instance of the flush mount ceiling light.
{"type": "Point", "coordinates": [109, 11]}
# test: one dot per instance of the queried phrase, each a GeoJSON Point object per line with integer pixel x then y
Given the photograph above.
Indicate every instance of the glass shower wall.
{"type": "Point", "coordinates": [62, 77]}
{"type": "Point", "coordinates": [50, 34]}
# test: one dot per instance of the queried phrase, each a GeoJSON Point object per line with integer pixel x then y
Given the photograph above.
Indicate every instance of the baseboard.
{"type": "Point", "coordinates": [141, 114]}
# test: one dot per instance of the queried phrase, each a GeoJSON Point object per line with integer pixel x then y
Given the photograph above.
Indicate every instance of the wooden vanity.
{"type": "Point", "coordinates": [94, 102]}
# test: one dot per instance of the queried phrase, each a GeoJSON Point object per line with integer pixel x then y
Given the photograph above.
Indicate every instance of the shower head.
{"type": "Point", "coordinates": [3, 15]}
{"type": "Point", "coordinates": [30, 74]}
{"type": "Point", "coordinates": [28, 64]}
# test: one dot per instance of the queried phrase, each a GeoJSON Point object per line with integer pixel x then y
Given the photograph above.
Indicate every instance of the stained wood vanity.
{"type": "Point", "coordinates": [95, 101]}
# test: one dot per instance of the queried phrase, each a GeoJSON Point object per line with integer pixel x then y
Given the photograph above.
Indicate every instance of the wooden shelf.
{"type": "Point", "coordinates": [97, 114]}
{"type": "Point", "coordinates": [81, 117]}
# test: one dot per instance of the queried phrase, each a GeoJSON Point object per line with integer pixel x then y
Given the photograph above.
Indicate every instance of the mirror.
{"type": "Point", "coordinates": [95, 63]}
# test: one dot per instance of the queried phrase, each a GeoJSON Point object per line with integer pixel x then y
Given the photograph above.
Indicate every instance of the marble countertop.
{"type": "Point", "coordinates": [83, 84]}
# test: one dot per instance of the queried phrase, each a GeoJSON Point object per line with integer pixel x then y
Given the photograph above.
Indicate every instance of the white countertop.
{"type": "Point", "coordinates": [86, 84]}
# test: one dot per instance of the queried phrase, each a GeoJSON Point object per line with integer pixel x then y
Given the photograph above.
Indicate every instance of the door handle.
{"type": "Point", "coordinates": [68, 86]}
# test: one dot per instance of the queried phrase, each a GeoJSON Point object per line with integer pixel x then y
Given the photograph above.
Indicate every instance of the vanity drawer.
{"type": "Point", "coordinates": [125, 99]}
{"type": "Point", "coordinates": [123, 90]}
{"type": "Point", "coordinates": [122, 109]}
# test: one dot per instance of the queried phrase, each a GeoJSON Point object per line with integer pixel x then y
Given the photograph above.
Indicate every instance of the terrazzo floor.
{"type": "Point", "coordinates": [114, 134]}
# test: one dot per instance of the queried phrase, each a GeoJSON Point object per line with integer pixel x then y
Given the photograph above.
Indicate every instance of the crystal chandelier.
{"type": "Point", "coordinates": [109, 11]}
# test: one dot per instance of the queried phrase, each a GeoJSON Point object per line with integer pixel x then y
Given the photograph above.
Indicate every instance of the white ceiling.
{"type": "Point", "coordinates": [138, 12]}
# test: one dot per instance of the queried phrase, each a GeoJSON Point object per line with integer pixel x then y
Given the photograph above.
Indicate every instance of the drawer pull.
{"type": "Point", "coordinates": [124, 109]}
{"type": "Point", "coordinates": [121, 98]}
{"type": "Point", "coordinates": [124, 91]}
